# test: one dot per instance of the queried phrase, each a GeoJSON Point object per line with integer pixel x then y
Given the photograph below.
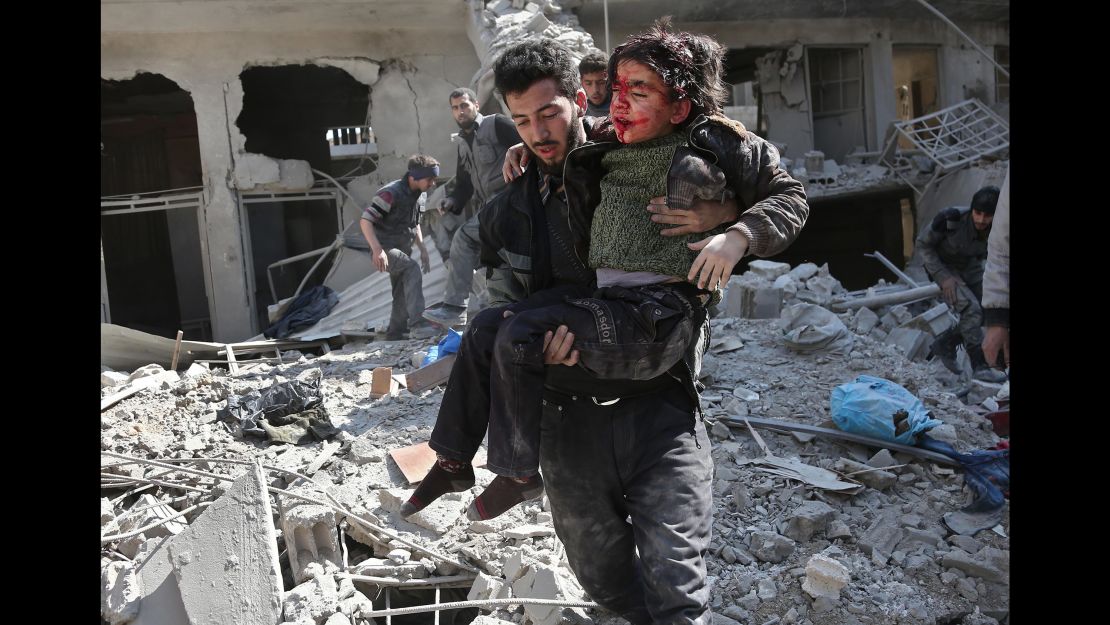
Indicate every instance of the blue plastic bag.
{"type": "Point", "coordinates": [447, 345]}
{"type": "Point", "coordinates": [869, 406]}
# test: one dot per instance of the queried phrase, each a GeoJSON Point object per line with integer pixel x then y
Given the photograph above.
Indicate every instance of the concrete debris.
{"type": "Point", "coordinates": [120, 593]}
{"type": "Point", "coordinates": [807, 519]}
{"type": "Point", "coordinates": [770, 547]}
{"type": "Point", "coordinates": [824, 577]}
{"type": "Point", "coordinates": [232, 545]}
{"type": "Point", "coordinates": [887, 531]}
{"type": "Point", "coordinates": [310, 536]}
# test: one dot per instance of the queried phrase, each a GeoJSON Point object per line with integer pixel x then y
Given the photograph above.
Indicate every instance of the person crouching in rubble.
{"type": "Point", "coordinates": [621, 436]}
{"type": "Point", "coordinates": [953, 249]}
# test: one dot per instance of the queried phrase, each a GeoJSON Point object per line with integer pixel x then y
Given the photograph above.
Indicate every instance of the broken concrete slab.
{"type": "Point", "coordinates": [825, 577]}
{"type": "Point", "coordinates": [252, 170]}
{"type": "Point", "coordinates": [120, 593]}
{"type": "Point", "coordinates": [542, 583]}
{"type": "Point", "coordinates": [934, 321]}
{"type": "Point", "coordinates": [487, 587]}
{"type": "Point", "coordinates": [864, 320]}
{"type": "Point", "coordinates": [912, 343]}
{"type": "Point", "coordinates": [750, 302]}
{"type": "Point", "coordinates": [803, 272]}
{"type": "Point", "coordinates": [769, 269]}
{"type": "Point", "coordinates": [770, 547]}
{"type": "Point", "coordinates": [440, 516]}
{"type": "Point", "coordinates": [883, 535]}
{"type": "Point", "coordinates": [837, 529]}
{"type": "Point", "coordinates": [807, 519]}
{"type": "Point", "coordinates": [161, 598]}
{"type": "Point", "coordinates": [989, 563]}
{"type": "Point", "coordinates": [312, 600]}
{"type": "Point", "coordinates": [528, 531]}
{"type": "Point", "coordinates": [232, 543]}
{"type": "Point", "coordinates": [365, 450]}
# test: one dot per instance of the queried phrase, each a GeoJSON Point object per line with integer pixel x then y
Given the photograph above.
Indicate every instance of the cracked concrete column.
{"type": "Point", "coordinates": [222, 232]}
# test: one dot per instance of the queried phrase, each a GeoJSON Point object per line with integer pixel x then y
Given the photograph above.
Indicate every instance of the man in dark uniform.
{"type": "Point", "coordinates": [954, 248]}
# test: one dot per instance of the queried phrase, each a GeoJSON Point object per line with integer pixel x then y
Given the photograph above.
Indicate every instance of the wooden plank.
{"type": "Point", "coordinates": [232, 365]}
{"type": "Point", "coordinates": [789, 426]}
{"type": "Point", "coordinates": [431, 375]}
{"type": "Point", "coordinates": [176, 350]}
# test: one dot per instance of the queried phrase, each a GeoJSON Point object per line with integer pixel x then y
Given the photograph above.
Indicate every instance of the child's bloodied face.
{"type": "Point", "coordinates": [642, 108]}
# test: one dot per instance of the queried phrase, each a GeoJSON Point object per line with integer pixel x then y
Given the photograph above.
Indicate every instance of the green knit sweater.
{"type": "Point", "coordinates": [622, 235]}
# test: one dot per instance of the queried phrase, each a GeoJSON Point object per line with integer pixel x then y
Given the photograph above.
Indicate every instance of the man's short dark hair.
{"type": "Point", "coordinates": [691, 65]}
{"type": "Point", "coordinates": [593, 62]}
{"type": "Point", "coordinates": [531, 61]}
{"type": "Point", "coordinates": [417, 161]}
{"type": "Point", "coordinates": [463, 91]}
{"type": "Point", "coordinates": [985, 200]}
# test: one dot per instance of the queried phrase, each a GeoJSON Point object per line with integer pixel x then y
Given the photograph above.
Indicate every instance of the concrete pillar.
{"type": "Point", "coordinates": [221, 228]}
{"type": "Point", "coordinates": [881, 109]}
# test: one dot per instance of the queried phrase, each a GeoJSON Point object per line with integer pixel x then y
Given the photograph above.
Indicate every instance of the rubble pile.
{"type": "Point", "coordinates": [313, 535]}
{"type": "Point", "coordinates": [503, 23]}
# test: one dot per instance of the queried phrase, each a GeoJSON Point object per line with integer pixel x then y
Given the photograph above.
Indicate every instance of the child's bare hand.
{"type": "Point", "coordinates": [719, 254]}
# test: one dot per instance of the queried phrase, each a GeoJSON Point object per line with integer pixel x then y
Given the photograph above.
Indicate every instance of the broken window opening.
{"type": "Point", "coordinates": [836, 94]}
{"type": "Point", "coordinates": [288, 111]}
{"type": "Point", "coordinates": [152, 267]}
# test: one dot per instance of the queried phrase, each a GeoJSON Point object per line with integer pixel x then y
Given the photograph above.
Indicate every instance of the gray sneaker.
{"type": "Point", "coordinates": [446, 315]}
{"type": "Point", "coordinates": [423, 331]}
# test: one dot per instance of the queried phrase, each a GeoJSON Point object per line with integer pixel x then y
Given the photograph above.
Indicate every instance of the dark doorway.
{"type": "Point", "coordinates": [152, 259]}
{"type": "Point", "coordinates": [287, 113]}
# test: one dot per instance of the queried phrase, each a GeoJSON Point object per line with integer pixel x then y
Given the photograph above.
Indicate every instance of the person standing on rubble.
{"type": "Point", "coordinates": [953, 249]}
{"type": "Point", "coordinates": [390, 226]}
{"type": "Point", "coordinates": [481, 141]}
{"type": "Point", "coordinates": [996, 284]}
{"type": "Point", "coordinates": [611, 450]}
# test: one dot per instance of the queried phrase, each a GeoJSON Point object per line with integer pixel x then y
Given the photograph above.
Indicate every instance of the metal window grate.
{"type": "Point", "coordinates": [957, 135]}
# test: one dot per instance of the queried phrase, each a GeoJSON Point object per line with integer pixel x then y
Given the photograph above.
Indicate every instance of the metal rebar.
{"type": "Point", "coordinates": [487, 603]}
{"type": "Point", "coordinates": [107, 539]}
{"type": "Point", "coordinates": [334, 504]}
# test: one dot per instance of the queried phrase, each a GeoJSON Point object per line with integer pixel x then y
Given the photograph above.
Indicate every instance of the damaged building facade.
{"type": "Point", "coordinates": [219, 119]}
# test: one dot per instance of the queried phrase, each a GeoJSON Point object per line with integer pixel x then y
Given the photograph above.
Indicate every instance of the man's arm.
{"type": "Point", "coordinates": [464, 188]}
{"type": "Point", "coordinates": [996, 282]}
{"type": "Point", "coordinates": [776, 203]}
{"type": "Point", "coordinates": [377, 254]}
{"type": "Point", "coordinates": [929, 242]}
{"type": "Point", "coordinates": [425, 260]}
{"type": "Point", "coordinates": [378, 208]}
